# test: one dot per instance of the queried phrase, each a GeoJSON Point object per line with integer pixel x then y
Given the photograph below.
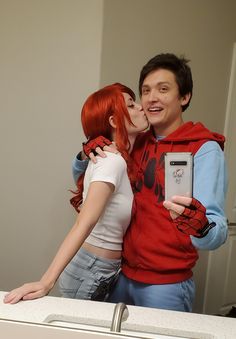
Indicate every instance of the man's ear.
{"type": "Point", "coordinates": [112, 121]}
{"type": "Point", "coordinates": [185, 99]}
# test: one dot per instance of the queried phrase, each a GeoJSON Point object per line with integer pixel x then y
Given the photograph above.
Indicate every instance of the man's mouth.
{"type": "Point", "coordinates": [155, 109]}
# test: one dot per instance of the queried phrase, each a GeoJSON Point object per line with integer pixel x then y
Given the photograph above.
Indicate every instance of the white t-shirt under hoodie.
{"type": "Point", "coordinates": [110, 229]}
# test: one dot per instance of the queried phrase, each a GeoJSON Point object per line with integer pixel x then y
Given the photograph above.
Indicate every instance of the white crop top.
{"type": "Point", "coordinates": [110, 229]}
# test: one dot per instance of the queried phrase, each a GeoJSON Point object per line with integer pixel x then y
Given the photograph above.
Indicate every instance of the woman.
{"type": "Point", "coordinates": [95, 240]}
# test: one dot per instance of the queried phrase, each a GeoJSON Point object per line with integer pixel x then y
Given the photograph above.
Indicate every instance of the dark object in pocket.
{"type": "Point", "coordinates": [105, 288]}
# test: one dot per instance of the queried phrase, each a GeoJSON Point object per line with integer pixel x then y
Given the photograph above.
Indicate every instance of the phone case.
{"type": "Point", "coordinates": [178, 174]}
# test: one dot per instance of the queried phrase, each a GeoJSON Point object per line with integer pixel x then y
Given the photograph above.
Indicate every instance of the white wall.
{"type": "Point", "coordinates": [202, 30]}
{"type": "Point", "coordinates": [49, 63]}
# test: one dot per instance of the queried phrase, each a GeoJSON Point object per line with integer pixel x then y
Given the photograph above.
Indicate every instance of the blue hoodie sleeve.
{"type": "Point", "coordinates": [78, 167]}
{"type": "Point", "coordinates": [209, 187]}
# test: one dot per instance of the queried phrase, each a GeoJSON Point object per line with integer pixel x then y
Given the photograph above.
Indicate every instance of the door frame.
{"type": "Point", "coordinates": [229, 132]}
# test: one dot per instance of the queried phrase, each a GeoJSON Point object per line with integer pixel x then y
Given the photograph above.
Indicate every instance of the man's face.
{"type": "Point", "coordinates": [162, 102]}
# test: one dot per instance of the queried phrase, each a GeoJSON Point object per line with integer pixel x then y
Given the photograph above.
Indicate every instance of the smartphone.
{"type": "Point", "coordinates": [178, 174]}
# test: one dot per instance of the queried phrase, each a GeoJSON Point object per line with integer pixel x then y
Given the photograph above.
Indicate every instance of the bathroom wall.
{"type": "Point", "coordinates": [49, 63]}
{"type": "Point", "coordinates": [203, 31]}
{"type": "Point", "coordinates": [53, 54]}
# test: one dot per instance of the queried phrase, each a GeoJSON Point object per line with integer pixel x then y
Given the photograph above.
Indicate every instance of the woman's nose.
{"type": "Point", "coordinates": [139, 107]}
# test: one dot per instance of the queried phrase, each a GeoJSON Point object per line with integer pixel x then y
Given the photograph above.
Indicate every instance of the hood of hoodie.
{"type": "Point", "coordinates": [191, 131]}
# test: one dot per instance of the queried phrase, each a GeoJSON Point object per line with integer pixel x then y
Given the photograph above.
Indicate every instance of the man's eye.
{"type": "Point", "coordinates": [145, 90]}
{"type": "Point", "coordinates": [163, 89]}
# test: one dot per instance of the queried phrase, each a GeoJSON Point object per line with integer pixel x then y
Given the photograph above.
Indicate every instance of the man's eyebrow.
{"type": "Point", "coordinates": [163, 83]}
{"type": "Point", "coordinates": [157, 84]}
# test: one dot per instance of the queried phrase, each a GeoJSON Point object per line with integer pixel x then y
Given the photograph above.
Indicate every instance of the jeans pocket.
{"type": "Point", "coordinates": [69, 284]}
{"type": "Point", "coordinates": [105, 287]}
{"type": "Point", "coordinates": [188, 292]}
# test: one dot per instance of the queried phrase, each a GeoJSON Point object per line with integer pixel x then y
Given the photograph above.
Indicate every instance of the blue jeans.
{"type": "Point", "coordinates": [84, 273]}
{"type": "Point", "coordinates": [176, 297]}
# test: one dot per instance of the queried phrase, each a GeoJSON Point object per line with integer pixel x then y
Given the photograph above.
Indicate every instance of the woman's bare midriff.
{"type": "Point", "coordinates": [101, 252]}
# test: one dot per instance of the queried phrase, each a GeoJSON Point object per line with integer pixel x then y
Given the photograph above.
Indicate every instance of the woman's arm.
{"type": "Point", "coordinates": [93, 207]}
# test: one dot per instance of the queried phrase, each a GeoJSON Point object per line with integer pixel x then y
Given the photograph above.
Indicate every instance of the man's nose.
{"type": "Point", "coordinates": [153, 96]}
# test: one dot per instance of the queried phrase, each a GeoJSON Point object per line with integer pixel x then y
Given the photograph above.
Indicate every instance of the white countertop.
{"type": "Point", "coordinates": [98, 313]}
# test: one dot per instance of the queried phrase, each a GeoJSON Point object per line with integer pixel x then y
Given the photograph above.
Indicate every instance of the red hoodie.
{"type": "Point", "coordinates": [155, 251]}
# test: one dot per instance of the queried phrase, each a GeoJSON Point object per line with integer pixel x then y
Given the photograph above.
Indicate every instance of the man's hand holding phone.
{"type": "Point", "coordinates": [189, 215]}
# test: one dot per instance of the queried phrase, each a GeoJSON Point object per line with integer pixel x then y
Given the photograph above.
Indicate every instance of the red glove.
{"type": "Point", "coordinates": [91, 145]}
{"type": "Point", "coordinates": [193, 220]}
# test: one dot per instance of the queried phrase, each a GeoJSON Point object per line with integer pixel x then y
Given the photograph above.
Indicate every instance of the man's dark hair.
{"type": "Point", "coordinates": [178, 66]}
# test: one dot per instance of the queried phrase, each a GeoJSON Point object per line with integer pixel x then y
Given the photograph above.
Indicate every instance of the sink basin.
{"type": "Point", "coordinates": [18, 329]}
{"type": "Point", "coordinates": [60, 329]}
{"type": "Point", "coordinates": [83, 324]}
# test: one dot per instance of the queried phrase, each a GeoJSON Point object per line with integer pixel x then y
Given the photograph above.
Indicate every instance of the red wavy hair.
{"type": "Point", "coordinates": [106, 102]}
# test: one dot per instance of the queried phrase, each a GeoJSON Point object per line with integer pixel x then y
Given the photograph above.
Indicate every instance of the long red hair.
{"type": "Point", "coordinates": [95, 114]}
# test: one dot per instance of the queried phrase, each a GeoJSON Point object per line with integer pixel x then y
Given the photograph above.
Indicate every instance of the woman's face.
{"type": "Point", "coordinates": [136, 114]}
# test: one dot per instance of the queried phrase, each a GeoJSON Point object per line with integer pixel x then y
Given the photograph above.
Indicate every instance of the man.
{"type": "Point", "coordinates": [160, 246]}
